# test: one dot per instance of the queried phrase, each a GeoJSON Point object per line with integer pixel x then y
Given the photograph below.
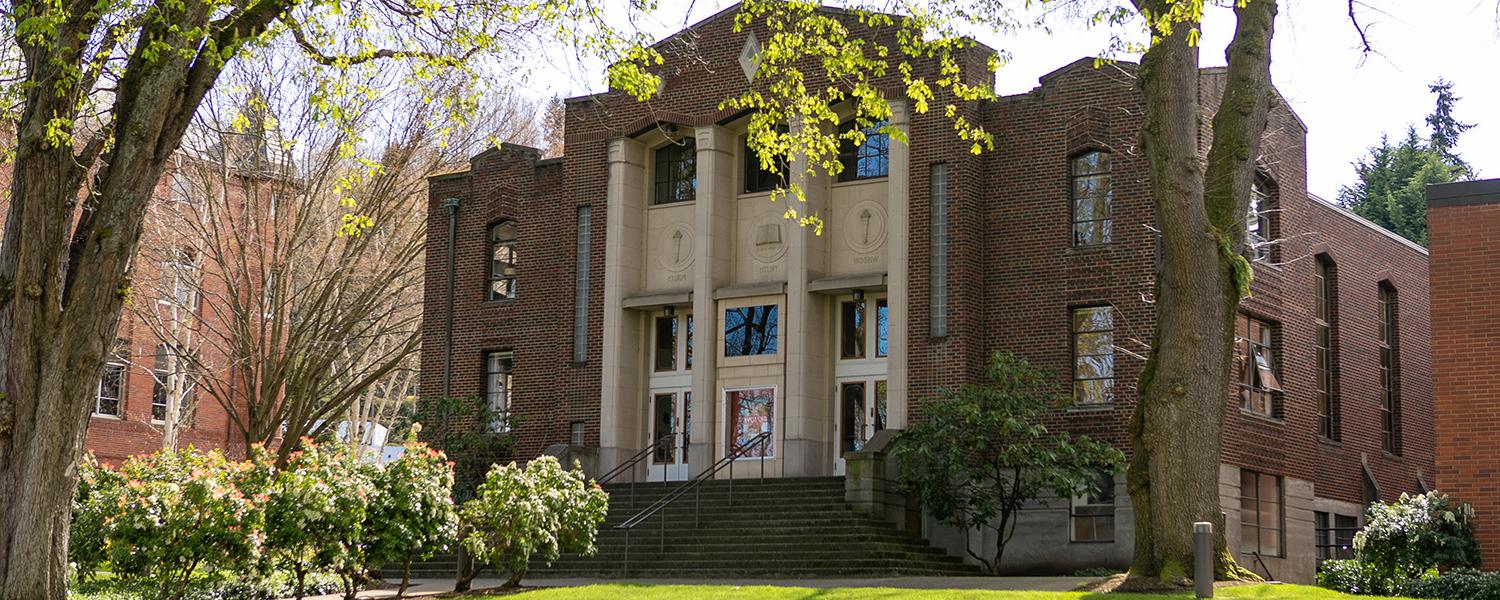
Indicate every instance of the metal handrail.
{"type": "Point", "coordinates": [633, 460]}
{"type": "Point", "coordinates": [759, 440]}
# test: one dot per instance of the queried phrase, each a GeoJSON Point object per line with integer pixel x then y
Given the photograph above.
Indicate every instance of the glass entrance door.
{"type": "Point", "coordinates": [670, 430]}
{"type": "Point", "coordinates": [862, 412]}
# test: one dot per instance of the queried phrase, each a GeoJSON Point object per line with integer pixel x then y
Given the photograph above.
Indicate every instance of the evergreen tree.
{"type": "Point", "coordinates": [1391, 181]}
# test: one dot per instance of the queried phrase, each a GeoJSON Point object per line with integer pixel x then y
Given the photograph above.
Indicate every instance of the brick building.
{"type": "Point", "coordinates": [1463, 224]}
{"type": "Point", "coordinates": [583, 287]}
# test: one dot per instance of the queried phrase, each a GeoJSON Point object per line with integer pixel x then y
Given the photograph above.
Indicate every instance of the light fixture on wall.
{"type": "Point", "coordinates": [671, 310]}
{"type": "Point", "coordinates": [859, 295]}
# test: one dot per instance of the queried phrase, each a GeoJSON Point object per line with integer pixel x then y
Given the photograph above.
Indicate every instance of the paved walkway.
{"type": "Point", "coordinates": [428, 587]}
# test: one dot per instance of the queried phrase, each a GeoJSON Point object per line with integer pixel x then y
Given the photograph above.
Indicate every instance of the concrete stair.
{"type": "Point", "coordinates": [797, 527]}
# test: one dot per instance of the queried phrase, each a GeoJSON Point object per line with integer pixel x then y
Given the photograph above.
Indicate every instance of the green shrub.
{"type": "Point", "coordinates": [1469, 584]}
{"type": "Point", "coordinates": [1348, 576]}
{"type": "Point", "coordinates": [315, 511]}
{"type": "Point", "coordinates": [539, 510]}
{"type": "Point", "coordinates": [97, 498]}
{"type": "Point", "coordinates": [180, 511]}
{"type": "Point", "coordinates": [411, 514]}
{"type": "Point", "coordinates": [1406, 538]}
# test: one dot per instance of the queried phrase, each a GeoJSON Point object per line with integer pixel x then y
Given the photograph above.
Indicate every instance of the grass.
{"type": "Point", "coordinates": [696, 592]}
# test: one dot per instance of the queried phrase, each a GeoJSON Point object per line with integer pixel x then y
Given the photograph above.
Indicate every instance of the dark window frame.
{"type": "Point", "coordinates": [675, 173]}
{"type": "Point", "coordinates": [499, 417]}
{"type": "Point", "coordinates": [852, 349]}
{"type": "Point", "coordinates": [1389, 344]}
{"type": "Point", "coordinates": [871, 158]}
{"type": "Point", "coordinates": [664, 357]}
{"type": "Point", "coordinates": [1260, 375]}
{"type": "Point", "coordinates": [1333, 536]}
{"type": "Point", "coordinates": [1260, 226]}
{"type": "Point", "coordinates": [1104, 173]}
{"type": "Point", "coordinates": [1325, 347]}
{"type": "Point", "coordinates": [756, 179]}
{"type": "Point", "coordinates": [503, 275]}
{"type": "Point", "coordinates": [116, 367]}
{"type": "Point", "coordinates": [1098, 507]}
{"type": "Point", "coordinates": [1257, 525]}
{"type": "Point", "coordinates": [1074, 334]}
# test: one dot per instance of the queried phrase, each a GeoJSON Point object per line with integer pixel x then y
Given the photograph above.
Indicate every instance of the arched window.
{"type": "Point", "coordinates": [868, 159]}
{"type": "Point", "coordinates": [502, 261]}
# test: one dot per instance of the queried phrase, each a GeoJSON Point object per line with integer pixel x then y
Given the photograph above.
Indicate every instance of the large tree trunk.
{"type": "Point", "coordinates": [1177, 428]}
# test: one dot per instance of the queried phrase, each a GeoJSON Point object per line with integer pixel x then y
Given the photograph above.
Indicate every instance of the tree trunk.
{"type": "Point", "coordinates": [405, 578]}
{"type": "Point", "coordinates": [1177, 428]}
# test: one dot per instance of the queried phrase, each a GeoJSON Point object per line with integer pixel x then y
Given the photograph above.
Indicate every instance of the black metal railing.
{"type": "Point", "coordinates": [691, 485]}
{"type": "Point", "coordinates": [629, 465]}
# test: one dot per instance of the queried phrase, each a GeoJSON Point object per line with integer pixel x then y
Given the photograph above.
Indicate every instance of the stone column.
{"type": "Point", "coordinates": [898, 202]}
{"type": "Point", "coordinates": [713, 263]}
{"type": "Point", "coordinates": [808, 399]}
{"type": "Point", "coordinates": [622, 410]}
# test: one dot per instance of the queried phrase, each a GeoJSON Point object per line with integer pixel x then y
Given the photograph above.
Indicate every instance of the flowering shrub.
{"type": "Point", "coordinates": [96, 499]}
{"type": "Point", "coordinates": [411, 513]}
{"type": "Point", "coordinates": [1403, 539]}
{"type": "Point", "coordinates": [540, 510]}
{"type": "Point", "coordinates": [315, 511]}
{"type": "Point", "coordinates": [179, 510]}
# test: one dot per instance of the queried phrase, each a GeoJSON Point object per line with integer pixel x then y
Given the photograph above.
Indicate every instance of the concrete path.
{"type": "Point", "coordinates": [429, 587]}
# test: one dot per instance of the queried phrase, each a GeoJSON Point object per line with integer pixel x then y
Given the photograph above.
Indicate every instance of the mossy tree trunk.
{"type": "Point", "coordinates": [1201, 203]}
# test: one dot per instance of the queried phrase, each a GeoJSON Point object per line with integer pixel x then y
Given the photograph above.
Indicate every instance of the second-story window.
{"type": "Point", "coordinates": [502, 280]}
{"type": "Point", "coordinates": [676, 172]}
{"type": "Point", "coordinates": [1092, 191]}
{"type": "Point", "coordinates": [179, 277]}
{"type": "Point", "coordinates": [868, 159]}
{"type": "Point", "coordinates": [110, 400]}
{"type": "Point", "coordinates": [1259, 382]}
{"type": "Point", "coordinates": [1390, 371]}
{"type": "Point", "coordinates": [852, 329]}
{"type": "Point", "coordinates": [750, 330]}
{"type": "Point", "coordinates": [1093, 355]}
{"type": "Point", "coordinates": [666, 344]}
{"type": "Point", "coordinates": [1324, 317]}
{"type": "Point", "coordinates": [1258, 221]}
{"type": "Point", "coordinates": [757, 177]}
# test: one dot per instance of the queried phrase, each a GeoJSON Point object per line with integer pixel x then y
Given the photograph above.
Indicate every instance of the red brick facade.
{"type": "Point", "coordinates": [1013, 276]}
{"type": "Point", "coordinates": [1463, 224]}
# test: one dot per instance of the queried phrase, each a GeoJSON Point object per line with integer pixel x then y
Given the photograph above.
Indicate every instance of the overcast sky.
{"type": "Point", "coordinates": [1347, 98]}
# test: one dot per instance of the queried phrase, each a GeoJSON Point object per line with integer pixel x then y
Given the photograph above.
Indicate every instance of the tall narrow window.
{"type": "Point", "coordinates": [688, 351]}
{"type": "Point", "coordinates": [179, 279]}
{"type": "Point", "coordinates": [111, 397]}
{"type": "Point", "coordinates": [869, 158]}
{"type": "Point", "coordinates": [1259, 383]}
{"type": "Point", "coordinates": [497, 389]}
{"type": "Point", "coordinates": [1258, 221]}
{"type": "Point", "coordinates": [676, 172]}
{"type": "Point", "coordinates": [1092, 513]}
{"type": "Point", "coordinates": [1093, 355]}
{"type": "Point", "coordinates": [503, 261]}
{"type": "Point", "coordinates": [1092, 191]}
{"type": "Point", "coordinates": [1325, 313]}
{"type": "Point", "coordinates": [938, 279]}
{"type": "Point", "coordinates": [666, 344]}
{"type": "Point", "coordinates": [882, 328]}
{"type": "Point", "coordinates": [1390, 370]}
{"type": "Point", "coordinates": [852, 329]}
{"type": "Point", "coordinates": [173, 377]}
{"type": "Point", "coordinates": [758, 178]}
{"type": "Point", "coordinates": [1260, 513]}
{"type": "Point", "coordinates": [581, 286]}
{"type": "Point", "coordinates": [750, 330]}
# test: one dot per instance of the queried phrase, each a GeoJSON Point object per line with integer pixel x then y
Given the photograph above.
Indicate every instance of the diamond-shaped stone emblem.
{"type": "Point", "coordinates": [750, 57]}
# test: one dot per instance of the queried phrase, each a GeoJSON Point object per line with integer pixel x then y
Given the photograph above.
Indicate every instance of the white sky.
{"type": "Point", "coordinates": [1348, 99]}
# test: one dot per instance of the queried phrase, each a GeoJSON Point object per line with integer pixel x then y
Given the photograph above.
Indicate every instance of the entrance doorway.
{"type": "Point", "coordinates": [859, 373]}
{"type": "Point", "coordinates": [862, 412]}
{"type": "Point", "coordinates": [671, 429]}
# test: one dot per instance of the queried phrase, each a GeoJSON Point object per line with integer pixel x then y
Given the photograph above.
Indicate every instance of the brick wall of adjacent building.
{"type": "Point", "coordinates": [1463, 224]}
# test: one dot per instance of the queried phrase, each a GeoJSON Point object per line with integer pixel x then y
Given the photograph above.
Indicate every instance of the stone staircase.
{"type": "Point", "coordinates": [797, 527]}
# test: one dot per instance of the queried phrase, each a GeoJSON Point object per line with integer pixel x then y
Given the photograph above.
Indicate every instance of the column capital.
{"type": "Point", "coordinates": [627, 150]}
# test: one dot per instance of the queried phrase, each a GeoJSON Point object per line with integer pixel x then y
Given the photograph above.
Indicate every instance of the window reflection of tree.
{"type": "Point", "coordinates": [750, 330]}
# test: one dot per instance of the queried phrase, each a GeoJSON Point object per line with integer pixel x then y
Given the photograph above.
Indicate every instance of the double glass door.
{"type": "Point", "coordinates": [670, 413]}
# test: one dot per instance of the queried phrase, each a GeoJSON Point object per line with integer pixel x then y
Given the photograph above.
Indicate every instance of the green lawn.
{"type": "Point", "coordinates": [696, 592]}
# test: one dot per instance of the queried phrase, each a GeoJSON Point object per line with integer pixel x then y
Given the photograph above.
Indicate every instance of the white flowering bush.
{"type": "Point", "coordinates": [315, 511]}
{"type": "Point", "coordinates": [1404, 539]}
{"type": "Point", "coordinates": [411, 514]}
{"type": "Point", "coordinates": [540, 510]}
{"type": "Point", "coordinates": [179, 511]}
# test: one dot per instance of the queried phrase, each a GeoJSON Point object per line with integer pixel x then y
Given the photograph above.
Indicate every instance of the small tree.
{"type": "Point", "coordinates": [180, 510]}
{"type": "Point", "coordinates": [411, 512]}
{"type": "Point", "coordinates": [97, 499]}
{"type": "Point", "coordinates": [983, 453]}
{"type": "Point", "coordinates": [1406, 538]}
{"type": "Point", "coordinates": [541, 509]}
{"type": "Point", "coordinates": [315, 512]}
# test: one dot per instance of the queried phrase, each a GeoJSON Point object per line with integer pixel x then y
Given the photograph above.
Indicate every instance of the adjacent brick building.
{"type": "Point", "coordinates": [1463, 225]}
{"type": "Point", "coordinates": [583, 288]}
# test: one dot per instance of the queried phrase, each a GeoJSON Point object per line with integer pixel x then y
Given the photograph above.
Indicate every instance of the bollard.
{"type": "Point", "coordinates": [1203, 559]}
